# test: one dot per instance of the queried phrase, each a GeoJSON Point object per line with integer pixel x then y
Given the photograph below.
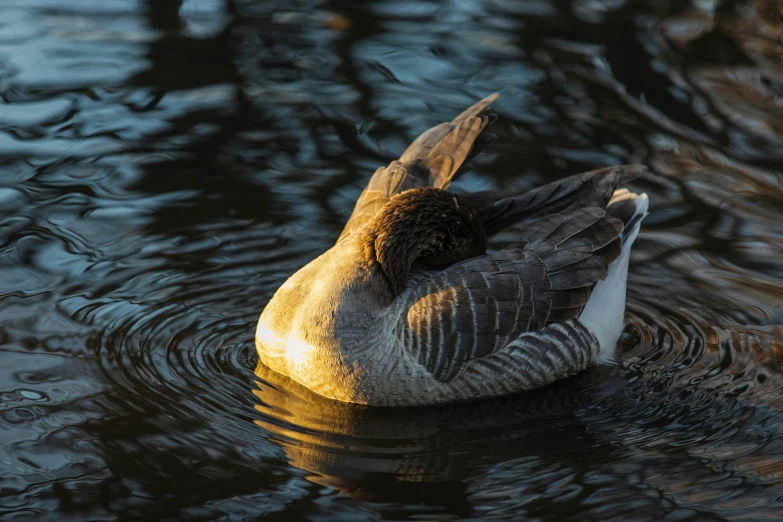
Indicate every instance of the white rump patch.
{"type": "Point", "coordinates": [604, 311]}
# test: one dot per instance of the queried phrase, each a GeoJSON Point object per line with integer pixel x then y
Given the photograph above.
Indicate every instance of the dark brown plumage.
{"type": "Point", "coordinates": [431, 226]}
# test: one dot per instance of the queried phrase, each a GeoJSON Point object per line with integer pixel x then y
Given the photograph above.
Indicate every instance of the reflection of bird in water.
{"type": "Point", "coordinates": [424, 453]}
{"type": "Point", "coordinates": [408, 309]}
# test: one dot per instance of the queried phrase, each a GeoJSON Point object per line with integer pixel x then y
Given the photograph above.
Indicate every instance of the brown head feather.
{"type": "Point", "coordinates": [427, 225]}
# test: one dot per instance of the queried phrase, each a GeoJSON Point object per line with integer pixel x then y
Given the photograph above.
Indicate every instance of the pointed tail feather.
{"type": "Point", "coordinates": [434, 159]}
{"type": "Point", "coordinates": [446, 148]}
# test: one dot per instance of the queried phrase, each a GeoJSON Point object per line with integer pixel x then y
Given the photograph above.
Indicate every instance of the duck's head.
{"type": "Point", "coordinates": [425, 225]}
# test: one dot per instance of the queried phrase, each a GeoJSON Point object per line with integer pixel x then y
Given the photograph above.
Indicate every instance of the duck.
{"type": "Point", "coordinates": [409, 308]}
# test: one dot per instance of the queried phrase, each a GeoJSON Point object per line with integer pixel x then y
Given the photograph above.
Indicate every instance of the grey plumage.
{"type": "Point", "coordinates": [408, 309]}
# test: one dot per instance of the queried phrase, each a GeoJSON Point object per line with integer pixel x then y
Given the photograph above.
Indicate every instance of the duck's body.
{"type": "Point", "coordinates": [407, 309]}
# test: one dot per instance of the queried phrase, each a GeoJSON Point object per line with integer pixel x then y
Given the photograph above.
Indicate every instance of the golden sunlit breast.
{"type": "Point", "coordinates": [299, 355]}
{"type": "Point", "coordinates": [290, 354]}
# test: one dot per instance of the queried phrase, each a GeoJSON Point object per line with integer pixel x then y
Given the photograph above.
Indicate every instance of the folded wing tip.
{"type": "Point", "coordinates": [631, 171]}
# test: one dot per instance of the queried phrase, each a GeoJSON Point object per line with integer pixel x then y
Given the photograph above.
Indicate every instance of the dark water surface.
{"type": "Point", "coordinates": [166, 165]}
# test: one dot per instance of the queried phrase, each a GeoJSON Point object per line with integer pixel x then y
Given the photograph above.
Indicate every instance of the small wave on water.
{"type": "Point", "coordinates": [165, 166]}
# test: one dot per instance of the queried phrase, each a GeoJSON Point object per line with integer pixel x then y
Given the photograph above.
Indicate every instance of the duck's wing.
{"type": "Point", "coordinates": [499, 209]}
{"type": "Point", "coordinates": [476, 308]}
{"type": "Point", "coordinates": [434, 159]}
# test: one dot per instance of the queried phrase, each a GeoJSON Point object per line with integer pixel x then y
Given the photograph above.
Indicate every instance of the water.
{"type": "Point", "coordinates": [165, 165]}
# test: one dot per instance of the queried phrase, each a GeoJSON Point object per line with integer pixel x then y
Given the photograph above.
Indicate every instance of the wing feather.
{"type": "Point", "coordinates": [501, 209]}
{"type": "Point", "coordinates": [479, 307]}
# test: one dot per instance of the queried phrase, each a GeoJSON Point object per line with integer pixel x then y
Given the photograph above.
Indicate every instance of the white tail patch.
{"type": "Point", "coordinates": [604, 311]}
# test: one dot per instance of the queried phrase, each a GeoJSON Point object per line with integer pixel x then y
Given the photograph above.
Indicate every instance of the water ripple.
{"type": "Point", "coordinates": [167, 165]}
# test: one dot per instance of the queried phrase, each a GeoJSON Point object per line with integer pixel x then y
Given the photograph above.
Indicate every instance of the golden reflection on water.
{"type": "Point", "coordinates": [340, 445]}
